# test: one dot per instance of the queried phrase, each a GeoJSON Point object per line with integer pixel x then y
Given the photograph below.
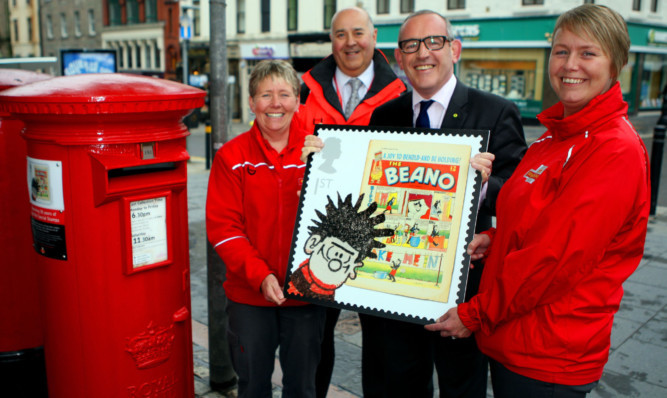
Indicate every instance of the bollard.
{"type": "Point", "coordinates": [656, 163]}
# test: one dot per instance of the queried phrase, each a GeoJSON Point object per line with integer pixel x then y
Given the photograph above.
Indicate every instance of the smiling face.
{"type": "Point", "coordinates": [578, 70]}
{"type": "Point", "coordinates": [274, 104]}
{"type": "Point", "coordinates": [428, 71]}
{"type": "Point", "coordinates": [331, 259]}
{"type": "Point", "coordinates": [352, 41]}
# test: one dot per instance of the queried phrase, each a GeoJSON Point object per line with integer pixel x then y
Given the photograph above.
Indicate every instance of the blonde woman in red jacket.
{"type": "Point", "coordinates": [250, 212]}
{"type": "Point", "coordinates": [571, 225]}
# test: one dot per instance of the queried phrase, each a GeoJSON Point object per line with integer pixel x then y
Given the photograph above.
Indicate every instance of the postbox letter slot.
{"type": "Point", "coordinates": [143, 169]}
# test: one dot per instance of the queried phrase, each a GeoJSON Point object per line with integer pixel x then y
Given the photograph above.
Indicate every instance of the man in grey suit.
{"type": "Point", "coordinates": [398, 357]}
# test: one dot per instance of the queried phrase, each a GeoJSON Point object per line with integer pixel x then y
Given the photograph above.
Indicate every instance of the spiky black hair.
{"type": "Point", "coordinates": [348, 224]}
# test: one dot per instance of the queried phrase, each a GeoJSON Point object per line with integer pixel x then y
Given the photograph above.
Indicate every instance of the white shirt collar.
{"type": "Point", "coordinates": [366, 77]}
{"type": "Point", "coordinates": [442, 98]}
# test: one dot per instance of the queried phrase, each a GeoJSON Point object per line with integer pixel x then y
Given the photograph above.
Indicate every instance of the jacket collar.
{"type": "Point", "coordinates": [605, 106]}
{"type": "Point", "coordinates": [323, 73]}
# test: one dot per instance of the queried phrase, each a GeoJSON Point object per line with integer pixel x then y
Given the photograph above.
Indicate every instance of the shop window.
{"type": "Point", "coordinates": [329, 11]}
{"type": "Point", "coordinates": [509, 73]}
{"type": "Point", "coordinates": [382, 6]}
{"type": "Point", "coordinates": [636, 5]}
{"type": "Point", "coordinates": [266, 16]}
{"type": "Point", "coordinates": [407, 6]}
{"type": "Point", "coordinates": [456, 4]}
{"type": "Point", "coordinates": [292, 15]}
{"type": "Point", "coordinates": [653, 79]}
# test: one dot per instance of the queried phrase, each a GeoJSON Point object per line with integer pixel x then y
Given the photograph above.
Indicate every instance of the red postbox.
{"type": "Point", "coordinates": [21, 336]}
{"type": "Point", "coordinates": [107, 174]}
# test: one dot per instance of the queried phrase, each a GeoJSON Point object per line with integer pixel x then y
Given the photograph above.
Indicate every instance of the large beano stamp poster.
{"type": "Point", "coordinates": [384, 219]}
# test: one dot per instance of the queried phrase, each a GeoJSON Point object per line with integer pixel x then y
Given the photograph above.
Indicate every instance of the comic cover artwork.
{"type": "Point", "coordinates": [417, 189]}
{"type": "Point", "coordinates": [383, 221]}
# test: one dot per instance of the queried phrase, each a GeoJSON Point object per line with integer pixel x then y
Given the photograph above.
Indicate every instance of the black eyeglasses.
{"type": "Point", "coordinates": [432, 43]}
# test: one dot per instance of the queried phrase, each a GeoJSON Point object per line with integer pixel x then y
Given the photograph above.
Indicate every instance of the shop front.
{"type": "Point", "coordinates": [510, 56]}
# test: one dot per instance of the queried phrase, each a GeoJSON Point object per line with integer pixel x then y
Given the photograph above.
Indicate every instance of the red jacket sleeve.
{"type": "Point", "coordinates": [225, 222]}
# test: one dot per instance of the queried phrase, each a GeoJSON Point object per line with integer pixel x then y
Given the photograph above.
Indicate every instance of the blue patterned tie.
{"type": "Point", "coordinates": [422, 119]}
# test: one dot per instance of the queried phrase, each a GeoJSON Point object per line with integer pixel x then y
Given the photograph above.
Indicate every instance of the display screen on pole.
{"type": "Point", "coordinates": [78, 61]}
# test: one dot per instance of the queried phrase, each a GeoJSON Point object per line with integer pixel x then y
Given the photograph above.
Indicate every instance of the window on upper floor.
{"type": "Point", "coordinates": [196, 23]}
{"type": "Point", "coordinates": [636, 5]}
{"type": "Point", "coordinates": [589, 1]}
{"type": "Point", "coordinates": [532, 2]}
{"type": "Point", "coordinates": [382, 6]}
{"type": "Point", "coordinates": [150, 10]}
{"type": "Point", "coordinates": [654, 5]}
{"type": "Point", "coordinates": [63, 25]}
{"type": "Point", "coordinates": [29, 21]}
{"type": "Point", "coordinates": [240, 16]}
{"type": "Point", "coordinates": [456, 4]}
{"type": "Point", "coordinates": [77, 24]}
{"type": "Point", "coordinates": [329, 11]}
{"type": "Point", "coordinates": [91, 22]}
{"type": "Point", "coordinates": [292, 15]}
{"type": "Point", "coordinates": [49, 27]}
{"type": "Point", "coordinates": [114, 12]}
{"type": "Point", "coordinates": [15, 24]}
{"type": "Point", "coordinates": [266, 15]}
{"type": "Point", "coordinates": [407, 6]}
{"type": "Point", "coordinates": [132, 11]}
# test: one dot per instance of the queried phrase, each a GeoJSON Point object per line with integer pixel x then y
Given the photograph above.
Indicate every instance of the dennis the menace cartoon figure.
{"type": "Point", "coordinates": [337, 245]}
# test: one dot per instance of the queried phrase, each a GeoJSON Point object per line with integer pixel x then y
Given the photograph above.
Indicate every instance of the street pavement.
{"type": "Point", "coordinates": [637, 364]}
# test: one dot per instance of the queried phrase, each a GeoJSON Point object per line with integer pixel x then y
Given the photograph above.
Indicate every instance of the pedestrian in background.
{"type": "Point", "coordinates": [251, 207]}
{"type": "Point", "coordinates": [567, 234]}
{"type": "Point", "coordinates": [344, 89]}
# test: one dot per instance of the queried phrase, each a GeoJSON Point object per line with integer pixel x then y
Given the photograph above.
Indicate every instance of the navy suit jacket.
{"type": "Point", "coordinates": [472, 109]}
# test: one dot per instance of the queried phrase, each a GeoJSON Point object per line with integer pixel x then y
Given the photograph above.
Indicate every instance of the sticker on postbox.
{"type": "Point", "coordinates": [45, 186]}
{"type": "Point", "coordinates": [148, 220]}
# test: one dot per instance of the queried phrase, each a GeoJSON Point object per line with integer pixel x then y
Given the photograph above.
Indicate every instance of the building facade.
{"type": "Point", "coordinates": [23, 27]}
{"type": "Point", "coordinates": [505, 43]}
{"type": "Point", "coordinates": [145, 35]}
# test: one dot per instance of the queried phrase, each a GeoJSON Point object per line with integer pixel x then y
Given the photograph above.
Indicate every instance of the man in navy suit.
{"type": "Point", "coordinates": [398, 357]}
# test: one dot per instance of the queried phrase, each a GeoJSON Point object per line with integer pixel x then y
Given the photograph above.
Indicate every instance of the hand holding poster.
{"type": "Point", "coordinates": [384, 219]}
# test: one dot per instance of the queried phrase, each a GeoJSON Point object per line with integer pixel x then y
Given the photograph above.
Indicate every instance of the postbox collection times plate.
{"type": "Point", "coordinates": [148, 224]}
